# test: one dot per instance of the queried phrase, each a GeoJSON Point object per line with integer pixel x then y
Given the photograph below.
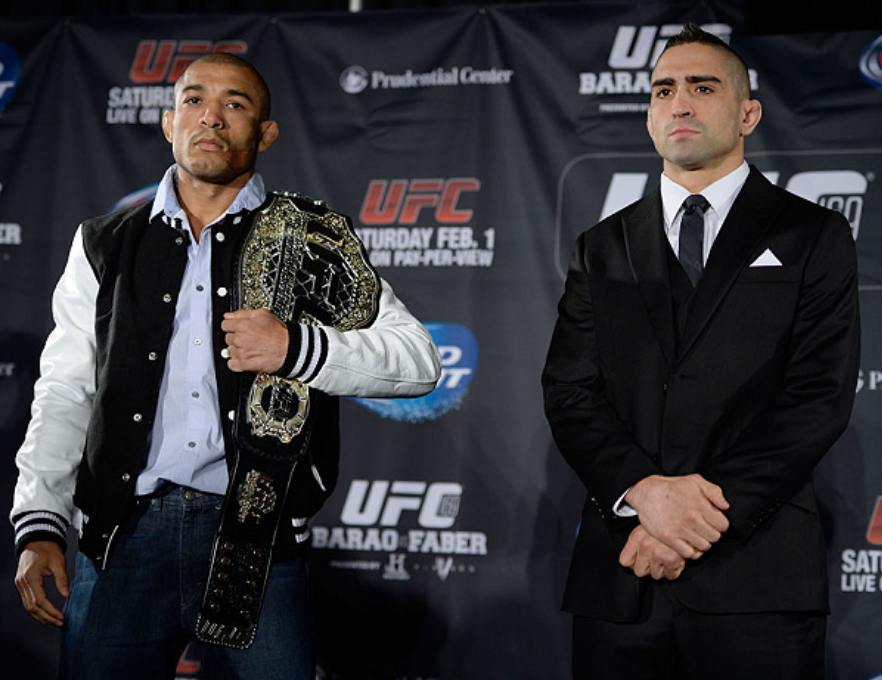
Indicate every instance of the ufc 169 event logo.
{"type": "Point", "coordinates": [840, 182]}
{"type": "Point", "coordinates": [459, 361]}
{"type": "Point", "coordinates": [155, 67]}
{"type": "Point", "coordinates": [424, 223]}
{"type": "Point", "coordinates": [632, 56]}
{"type": "Point", "coordinates": [398, 528]}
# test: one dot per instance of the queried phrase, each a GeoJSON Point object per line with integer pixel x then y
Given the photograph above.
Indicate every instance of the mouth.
{"type": "Point", "coordinates": [683, 132]}
{"type": "Point", "coordinates": [209, 143]}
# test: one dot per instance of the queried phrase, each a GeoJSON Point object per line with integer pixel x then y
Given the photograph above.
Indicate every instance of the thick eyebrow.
{"type": "Point", "coordinates": [230, 92]}
{"type": "Point", "coordinates": [668, 82]}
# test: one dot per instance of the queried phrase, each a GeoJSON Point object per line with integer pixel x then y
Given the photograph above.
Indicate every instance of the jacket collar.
{"type": "Point", "coordinates": [166, 205]}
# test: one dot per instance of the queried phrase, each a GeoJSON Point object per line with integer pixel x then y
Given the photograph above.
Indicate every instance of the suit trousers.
{"type": "Point", "coordinates": [671, 642]}
{"type": "Point", "coordinates": [134, 620]}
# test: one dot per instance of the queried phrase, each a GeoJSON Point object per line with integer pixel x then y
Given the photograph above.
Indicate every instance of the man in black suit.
{"type": "Point", "coordinates": [704, 360]}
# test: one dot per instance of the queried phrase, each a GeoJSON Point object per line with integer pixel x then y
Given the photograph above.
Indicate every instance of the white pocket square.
{"type": "Point", "coordinates": [767, 259]}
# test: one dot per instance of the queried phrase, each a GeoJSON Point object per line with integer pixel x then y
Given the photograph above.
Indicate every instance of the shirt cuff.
{"type": "Point", "coordinates": [621, 508]}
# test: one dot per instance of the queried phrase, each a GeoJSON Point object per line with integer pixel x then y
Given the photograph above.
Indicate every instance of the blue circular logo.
{"type": "Point", "coordinates": [870, 63]}
{"type": "Point", "coordinates": [10, 72]}
{"type": "Point", "coordinates": [459, 360]}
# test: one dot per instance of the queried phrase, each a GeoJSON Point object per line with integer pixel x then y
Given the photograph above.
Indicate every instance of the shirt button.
{"type": "Point", "coordinates": [195, 395]}
{"type": "Point", "coordinates": [137, 417]}
{"type": "Point", "coordinates": [225, 353]}
{"type": "Point", "coordinates": [237, 219]}
{"type": "Point", "coordinates": [167, 297]}
{"type": "Point", "coordinates": [197, 341]}
{"type": "Point", "coordinates": [126, 477]}
{"type": "Point", "coordinates": [152, 356]}
{"type": "Point", "coordinates": [231, 415]}
{"type": "Point", "coordinates": [222, 292]}
{"type": "Point", "coordinates": [219, 236]}
{"type": "Point", "coordinates": [192, 445]}
{"type": "Point", "coordinates": [200, 288]}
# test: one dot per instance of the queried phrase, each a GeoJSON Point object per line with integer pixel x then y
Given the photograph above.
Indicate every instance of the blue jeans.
{"type": "Point", "coordinates": [134, 620]}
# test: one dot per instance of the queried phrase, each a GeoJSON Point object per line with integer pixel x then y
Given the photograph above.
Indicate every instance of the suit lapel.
{"type": "Point", "coordinates": [750, 217]}
{"type": "Point", "coordinates": [645, 244]}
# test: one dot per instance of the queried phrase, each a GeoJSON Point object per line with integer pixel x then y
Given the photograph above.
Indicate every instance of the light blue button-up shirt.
{"type": "Point", "coordinates": [186, 443]}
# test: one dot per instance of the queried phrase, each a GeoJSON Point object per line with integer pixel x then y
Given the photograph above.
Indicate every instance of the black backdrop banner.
{"type": "Point", "coordinates": [470, 146]}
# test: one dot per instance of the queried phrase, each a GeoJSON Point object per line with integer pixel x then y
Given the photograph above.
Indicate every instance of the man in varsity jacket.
{"type": "Point", "coordinates": [147, 409]}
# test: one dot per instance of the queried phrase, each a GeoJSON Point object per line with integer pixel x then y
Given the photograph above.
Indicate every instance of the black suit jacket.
{"type": "Point", "coordinates": [759, 388]}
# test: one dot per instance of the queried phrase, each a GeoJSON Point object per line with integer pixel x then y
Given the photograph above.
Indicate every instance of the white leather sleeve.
{"type": "Point", "coordinates": [394, 357]}
{"type": "Point", "coordinates": [63, 395]}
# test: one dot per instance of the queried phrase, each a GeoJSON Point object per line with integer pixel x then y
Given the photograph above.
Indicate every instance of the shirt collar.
{"type": "Point", "coordinates": [721, 194]}
{"type": "Point", "coordinates": [250, 196]}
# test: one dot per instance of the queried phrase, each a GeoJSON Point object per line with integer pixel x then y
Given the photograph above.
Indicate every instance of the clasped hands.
{"type": "Point", "coordinates": [257, 341]}
{"type": "Point", "coordinates": [680, 519]}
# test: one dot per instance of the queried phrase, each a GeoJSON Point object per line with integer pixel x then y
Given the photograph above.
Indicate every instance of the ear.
{"type": "Point", "coordinates": [269, 133]}
{"type": "Point", "coordinates": [752, 112]}
{"type": "Point", "coordinates": [168, 123]}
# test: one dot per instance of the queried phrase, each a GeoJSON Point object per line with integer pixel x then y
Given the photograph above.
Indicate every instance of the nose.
{"type": "Point", "coordinates": [682, 106]}
{"type": "Point", "coordinates": [212, 116]}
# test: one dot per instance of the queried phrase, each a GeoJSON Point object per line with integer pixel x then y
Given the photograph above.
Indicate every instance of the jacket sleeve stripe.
{"type": "Point", "coordinates": [319, 353]}
{"type": "Point", "coordinates": [29, 518]}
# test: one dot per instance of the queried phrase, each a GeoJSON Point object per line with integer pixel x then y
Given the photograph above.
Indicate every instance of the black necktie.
{"type": "Point", "coordinates": [692, 236]}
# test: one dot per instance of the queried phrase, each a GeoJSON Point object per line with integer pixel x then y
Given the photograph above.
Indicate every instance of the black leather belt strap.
{"type": "Point", "coordinates": [242, 553]}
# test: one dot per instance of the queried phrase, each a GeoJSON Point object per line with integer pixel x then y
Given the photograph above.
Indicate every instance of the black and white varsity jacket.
{"type": "Point", "coordinates": [102, 365]}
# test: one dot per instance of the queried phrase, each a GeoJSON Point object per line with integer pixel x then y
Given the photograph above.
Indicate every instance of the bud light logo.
{"type": "Point", "coordinates": [870, 63]}
{"type": "Point", "coordinates": [10, 71]}
{"type": "Point", "coordinates": [459, 360]}
{"type": "Point", "coordinates": [135, 198]}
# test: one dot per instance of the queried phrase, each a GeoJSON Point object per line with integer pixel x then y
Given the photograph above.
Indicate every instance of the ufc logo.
{"type": "Point", "coordinates": [383, 501]}
{"type": "Point", "coordinates": [633, 49]}
{"type": "Point", "coordinates": [401, 200]}
{"type": "Point", "coordinates": [166, 60]}
{"type": "Point", "coordinates": [841, 190]}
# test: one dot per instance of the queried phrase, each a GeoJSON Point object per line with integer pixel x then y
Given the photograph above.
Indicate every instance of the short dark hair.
{"type": "Point", "coordinates": [228, 59]}
{"type": "Point", "coordinates": [693, 34]}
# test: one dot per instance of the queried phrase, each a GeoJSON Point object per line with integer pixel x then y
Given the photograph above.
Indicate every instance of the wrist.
{"type": "Point", "coordinates": [636, 494]}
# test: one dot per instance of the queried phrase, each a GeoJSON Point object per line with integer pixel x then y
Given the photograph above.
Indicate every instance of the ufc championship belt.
{"type": "Point", "coordinates": [304, 263]}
